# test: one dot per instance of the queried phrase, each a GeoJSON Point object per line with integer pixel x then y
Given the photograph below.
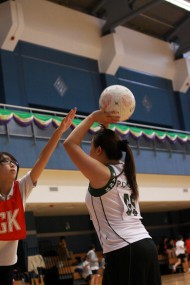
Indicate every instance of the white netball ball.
{"type": "Point", "coordinates": [119, 99]}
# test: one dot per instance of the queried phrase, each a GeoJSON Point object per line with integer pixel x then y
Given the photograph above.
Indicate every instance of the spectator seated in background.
{"type": "Point", "coordinates": [171, 248]}
{"type": "Point", "coordinates": [93, 259]}
{"type": "Point", "coordinates": [83, 268]}
{"type": "Point", "coordinates": [63, 250]}
{"type": "Point", "coordinates": [162, 249]}
{"type": "Point", "coordinates": [79, 267]}
{"type": "Point", "coordinates": [87, 272]}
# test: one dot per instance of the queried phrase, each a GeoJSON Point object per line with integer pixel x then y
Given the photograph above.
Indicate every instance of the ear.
{"type": "Point", "coordinates": [99, 150]}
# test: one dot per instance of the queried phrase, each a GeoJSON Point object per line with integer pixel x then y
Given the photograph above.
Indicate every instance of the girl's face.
{"type": "Point", "coordinates": [8, 167]}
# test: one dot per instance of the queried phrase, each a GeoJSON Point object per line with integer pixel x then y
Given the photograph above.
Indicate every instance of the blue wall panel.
{"type": "Point", "coordinates": [147, 161]}
{"type": "Point", "coordinates": [152, 105]}
{"type": "Point", "coordinates": [143, 78]}
{"type": "Point", "coordinates": [13, 83]}
{"type": "Point", "coordinates": [42, 53]}
{"type": "Point", "coordinates": [162, 162]}
{"type": "Point", "coordinates": [46, 78]}
{"type": "Point", "coordinates": [43, 81]}
{"type": "Point", "coordinates": [27, 152]}
{"type": "Point", "coordinates": [155, 101]}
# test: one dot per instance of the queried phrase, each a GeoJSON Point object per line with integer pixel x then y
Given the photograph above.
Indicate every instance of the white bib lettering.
{"type": "Point", "coordinates": [10, 223]}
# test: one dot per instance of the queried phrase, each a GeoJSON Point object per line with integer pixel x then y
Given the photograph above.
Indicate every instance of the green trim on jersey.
{"type": "Point", "coordinates": [101, 191]}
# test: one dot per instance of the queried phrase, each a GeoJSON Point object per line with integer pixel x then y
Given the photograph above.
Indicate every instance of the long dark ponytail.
{"type": "Point", "coordinates": [129, 167]}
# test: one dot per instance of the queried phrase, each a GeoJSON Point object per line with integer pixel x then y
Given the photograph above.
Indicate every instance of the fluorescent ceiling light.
{"type": "Point", "coordinates": [185, 4]}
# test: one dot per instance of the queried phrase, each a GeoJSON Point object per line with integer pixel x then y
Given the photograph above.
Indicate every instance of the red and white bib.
{"type": "Point", "coordinates": [12, 218]}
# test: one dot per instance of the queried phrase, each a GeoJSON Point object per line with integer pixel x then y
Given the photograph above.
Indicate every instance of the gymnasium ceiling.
{"type": "Point", "coordinates": [157, 18]}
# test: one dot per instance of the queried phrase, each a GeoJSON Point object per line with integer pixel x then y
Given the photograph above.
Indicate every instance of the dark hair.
{"type": "Point", "coordinates": [62, 238]}
{"type": "Point", "coordinates": [180, 237]}
{"type": "Point", "coordinates": [92, 246]}
{"type": "Point", "coordinates": [3, 153]}
{"type": "Point", "coordinates": [114, 147]}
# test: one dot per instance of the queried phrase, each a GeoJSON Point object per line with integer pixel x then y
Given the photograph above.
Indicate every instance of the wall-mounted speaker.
{"type": "Point", "coordinates": [181, 80]}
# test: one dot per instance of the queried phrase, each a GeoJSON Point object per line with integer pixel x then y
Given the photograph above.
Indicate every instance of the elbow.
{"type": "Point", "coordinates": [66, 143]}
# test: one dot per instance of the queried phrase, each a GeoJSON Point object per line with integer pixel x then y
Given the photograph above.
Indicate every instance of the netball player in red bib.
{"type": "Point", "coordinates": [13, 196]}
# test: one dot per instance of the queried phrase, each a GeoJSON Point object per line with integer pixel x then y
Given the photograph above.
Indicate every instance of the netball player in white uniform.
{"type": "Point", "coordinates": [13, 196]}
{"type": "Point", "coordinates": [112, 200]}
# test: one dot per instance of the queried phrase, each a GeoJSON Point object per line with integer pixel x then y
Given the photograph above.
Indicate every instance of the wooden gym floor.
{"type": "Point", "coordinates": [171, 279]}
{"type": "Point", "coordinates": [176, 279]}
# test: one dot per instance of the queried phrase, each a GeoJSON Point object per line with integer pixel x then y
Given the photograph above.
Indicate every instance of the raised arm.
{"type": "Point", "coordinates": [94, 170]}
{"type": "Point", "coordinates": [50, 146]}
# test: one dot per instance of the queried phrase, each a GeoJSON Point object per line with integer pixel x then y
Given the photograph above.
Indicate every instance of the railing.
{"type": "Point", "coordinates": [40, 123]}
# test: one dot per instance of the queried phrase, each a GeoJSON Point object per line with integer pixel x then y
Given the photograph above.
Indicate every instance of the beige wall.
{"type": "Point", "coordinates": [72, 186]}
{"type": "Point", "coordinates": [67, 30]}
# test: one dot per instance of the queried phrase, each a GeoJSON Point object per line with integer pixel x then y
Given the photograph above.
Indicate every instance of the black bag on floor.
{"type": "Point", "coordinates": [51, 276]}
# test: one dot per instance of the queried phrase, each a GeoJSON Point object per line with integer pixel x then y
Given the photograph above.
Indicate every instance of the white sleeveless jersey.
{"type": "Point", "coordinates": [115, 213]}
